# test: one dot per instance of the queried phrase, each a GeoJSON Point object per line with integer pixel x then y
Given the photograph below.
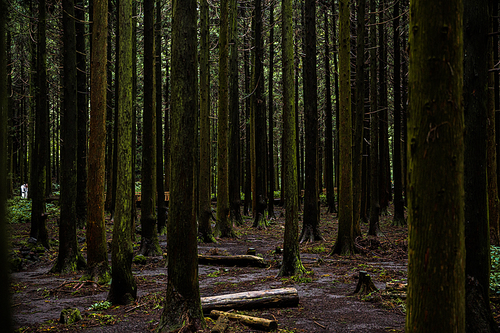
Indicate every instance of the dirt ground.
{"type": "Point", "coordinates": [327, 302]}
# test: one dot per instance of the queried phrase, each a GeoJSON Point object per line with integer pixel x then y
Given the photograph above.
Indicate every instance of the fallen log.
{"type": "Point", "coordinates": [239, 260]}
{"type": "Point", "coordinates": [258, 323]}
{"type": "Point", "coordinates": [283, 297]}
{"type": "Point", "coordinates": [221, 325]}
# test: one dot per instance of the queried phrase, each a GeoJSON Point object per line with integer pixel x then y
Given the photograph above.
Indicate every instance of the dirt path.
{"type": "Point", "coordinates": [326, 300]}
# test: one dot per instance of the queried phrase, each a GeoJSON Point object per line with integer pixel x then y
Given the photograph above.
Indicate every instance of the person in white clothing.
{"type": "Point", "coordinates": [24, 191]}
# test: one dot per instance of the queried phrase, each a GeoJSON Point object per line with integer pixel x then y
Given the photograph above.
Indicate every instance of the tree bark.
{"type": "Point", "coordinates": [270, 152]}
{"type": "Point", "coordinates": [182, 302]}
{"type": "Point", "coordinates": [478, 317]}
{"type": "Point", "coordinates": [123, 288]}
{"type": "Point", "coordinates": [149, 231]}
{"type": "Point", "coordinates": [345, 238]}
{"type": "Point", "coordinates": [310, 227]}
{"type": "Point", "coordinates": [97, 256]}
{"type": "Point", "coordinates": [69, 259]}
{"type": "Point", "coordinates": [436, 249]}
{"type": "Point", "coordinates": [204, 227]}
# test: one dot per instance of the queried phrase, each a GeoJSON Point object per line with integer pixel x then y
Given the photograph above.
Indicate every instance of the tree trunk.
{"type": "Point", "coordinates": [358, 136]}
{"type": "Point", "coordinates": [5, 292]}
{"type": "Point", "coordinates": [205, 211]}
{"type": "Point", "coordinates": [234, 119]}
{"type": "Point", "coordinates": [123, 288]}
{"type": "Point", "coordinates": [291, 252]}
{"type": "Point", "coordinates": [97, 256]}
{"type": "Point", "coordinates": [160, 183]}
{"type": "Point", "coordinates": [270, 152]}
{"type": "Point", "coordinates": [83, 115]}
{"type": "Point", "coordinates": [345, 239]}
{"type": "Point", "coordinates": [310, 228]}
{"type": "Point", "coordinates": [69, 259]}
{"type": "Point", "coordinates": [39, 160]}
{"type": "Point", "coordinates": [399, 218]}
{"type": "Point", "coordinates": [149, 233]}
{"type": "Point", "coordinates": [374, 130]}
{"type": "Point", "coordinates": [182, 303]}
{"type": "Point", "coordinates": [259, 122]}
{"type": "Point", "coordinates": [436, 251]}
{"type": "Point", "coordinates": [478, 317]}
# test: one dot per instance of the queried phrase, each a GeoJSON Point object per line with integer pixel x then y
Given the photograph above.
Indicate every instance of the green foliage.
{"type": "Point", "coordinates": [19, 210]}
{"type": "Point", "coordinates": [495, 269]}
{"type": "Point", "coordinates": [99, 306]}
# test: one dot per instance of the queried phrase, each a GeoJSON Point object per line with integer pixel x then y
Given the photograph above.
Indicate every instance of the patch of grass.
{"type": "Point", "coordinates": [99, 306]}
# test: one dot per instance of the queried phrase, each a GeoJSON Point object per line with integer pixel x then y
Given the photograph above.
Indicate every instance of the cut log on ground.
{"type": "Point", "coordinates": [240, 260]}
{"type": "Point", "coordinates": [255, 322]}
{"type": "Point", "coordinates": [365, 284]}
{"type": "Point", "coordinates": [283, 297]}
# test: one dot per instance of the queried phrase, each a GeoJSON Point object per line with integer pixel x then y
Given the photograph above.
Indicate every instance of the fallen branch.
{"type": "Point", "coordinates": [259, 323]}
{"type": "Point", "coordinates": [239, 260]}
{"type": "Point", "coordinates": [135, 307]}
{"type": "Point", "coordinates": [283, 297]}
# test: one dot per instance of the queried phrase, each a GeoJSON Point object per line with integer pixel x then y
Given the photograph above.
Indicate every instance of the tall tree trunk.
{"type": "Point", "coordinates": [358, 136]}
{"type": "Point", "coordinates": [205, 212]}
{"type": "Point", "coordinates": [5, 305]}
{"type": "Point", "coordinates": [436, 251]}
{"type": "Point", "coordinates": [123, 288]}
{"type": "Point", "coordinates": [110, 120]}
{"type": "Point", "coordinates": [149, 234]}
{"type": "Point", "coordinates": [97, 256]}
{"type": "Point", "coordinates": [345, 238]}
{"type": "Point", "coordinates": [399, 218]}
{"type": "Point", "coordinates": [39, 160]}
{"type": "Point", "coordinates": [248, 164]}
{"type": "Point", "coordinates": [259, 121]}
{"type": "Point", "coordinates": [160, 183]}
{"type": "Point", "coordinates": [182, 302]}
{"type": "Point", "coordinates": [270, 150]}
{"type": "Point", "coordinates": [310, 227]}
{"type": "Point", "coordinates": [329, 179]}
{"type": "Point", "coordinates": [374, 130]}
{"type": "Point", "coordinates": [478, 316]}
{"type": "Point", "coordinates": [491, 154]}
{"type": "Point", "coordinates": [291, 252]}
{"type": "Point", "coordinates": [234, 119]}
{"type": "Point", "coordinates": [224, 224]}
{"type": "Point", "coordinates": [69, 259]}
{"type": "Point", "coordinates": [83, 115]}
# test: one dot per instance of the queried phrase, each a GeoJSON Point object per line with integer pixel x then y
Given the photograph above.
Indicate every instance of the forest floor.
{"type": "Point", "coordinates": [327, 300]}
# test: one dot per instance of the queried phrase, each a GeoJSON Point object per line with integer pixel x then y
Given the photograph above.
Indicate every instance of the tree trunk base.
{"type": "Point", "coordinates": [365, 284]}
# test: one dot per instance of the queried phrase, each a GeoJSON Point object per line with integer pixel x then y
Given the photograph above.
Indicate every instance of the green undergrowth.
{"type": "Point", "coordinates": [495, 270]}
{"type": "Point", "coordinates": [19, 210]}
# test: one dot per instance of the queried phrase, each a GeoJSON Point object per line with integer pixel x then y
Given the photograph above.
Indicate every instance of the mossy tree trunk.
{"type": "Point", "coordinates": [123, 288]}
{"type": "Point", "coordinates": [5, 304]}
{"type": "Point", "coordinates": [310, 227]}
{"type": "Point", "coordinates": [69, 259]}
{"type": "Point", "coordinates": [345, 238]}
{"type": "Point", "coordinates": [149, 231]}
{"type": "Point", "coordinates": [329, 179]}
{"type": "Point", "coordinates": [205, 209]}
{"type": "Point", "coordinates": [83, 114]}
{"type": "Point", "coordinates": [39, 161]}
{"type": "Point", "coordinates": [291, 252]}
{"type": "Point", "coordinates": [358, 135]}
{"type": "Point", "coordinates": [160, 183]}
{"type": "Point", "coordinates": [182, 302]}
{"type": "Point", "coordinates": [234, 119]}
{"type": "Point", "coordinates": [259, 122]}
{"type": "Point", "coordinates": [491, 154]}
{"type": "Point", "coordinates": [97, 256]}
{"type": "Point", "coordinates": [374, 129]}
{"type": "Point", "coordinates": [436, 247]}
{"type": "Point", "coordinates": [270, 152]}
{"type": "Point", "coordinates": [478, 317]}
{"type": "Point", "coordinates": [224, 224]}
{"type": "Point", "coordinates": [398, 218]}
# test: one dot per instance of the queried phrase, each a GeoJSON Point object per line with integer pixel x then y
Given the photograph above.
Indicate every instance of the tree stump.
{"type": "Point", "coordinates": [365, 284]}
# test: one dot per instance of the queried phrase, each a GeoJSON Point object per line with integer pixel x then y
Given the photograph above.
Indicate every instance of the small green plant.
{"type": "Point", "coordinates": [318, 249]}
{"type": "Point", "coordinates": [214, 274]}
{"type": "Point", "coordinates": [100, 306]}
